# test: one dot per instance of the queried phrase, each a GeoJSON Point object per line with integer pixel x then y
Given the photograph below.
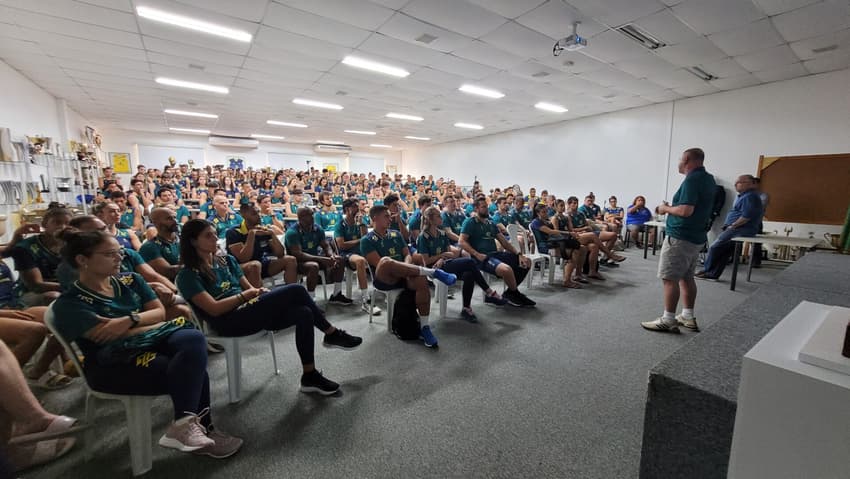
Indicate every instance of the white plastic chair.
{"type": "Point", "coordinates": [233, 355]}
{"type": "Point", "coordinates": [441, 295]}
{"type": "Point", "coordinates": [137, 408]}
{"type": "Point", "coordinates": [536, 258]}
{"type": "Point", "coordinates": [391, 296]}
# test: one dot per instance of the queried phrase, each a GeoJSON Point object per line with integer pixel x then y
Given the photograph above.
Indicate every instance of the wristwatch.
{"type": "Point", "coordinates": [135, 318]}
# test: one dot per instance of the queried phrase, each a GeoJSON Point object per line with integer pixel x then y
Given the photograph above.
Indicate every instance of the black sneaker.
{"type": "Point", "coordinates": [342, 340]}
{"type": "Point", "coordinates": [340, 299]}
{"type": "Point", "coordinates": [514, 298]}
{"type": "Point", "coordinates": [314, 382]}
{"type": "Point", "coordinates": [526, 301]}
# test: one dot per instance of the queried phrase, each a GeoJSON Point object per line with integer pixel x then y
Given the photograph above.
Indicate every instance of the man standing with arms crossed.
{"type": "Point", "coordinates": [686, 220]}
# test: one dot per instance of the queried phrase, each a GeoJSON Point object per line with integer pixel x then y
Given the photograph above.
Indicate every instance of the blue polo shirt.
{"type": "Point", "coordinates": [639, 217]}
{"type": "Point", "coordinates": [747, 205]}
{"type": "Point", "coordinates": [696, 190]}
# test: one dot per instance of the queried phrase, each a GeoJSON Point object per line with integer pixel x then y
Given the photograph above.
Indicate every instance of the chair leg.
{"type": "Point", "coordinates": [138, 410]}
{"type": "Point", "coordinates": [348, 281]}
{"type": "Point", "coordinates": [324, 285]}
{"type": "Point", "coordinates": [442, 298]}
{"type": "Point", "coordinates": [274, 353]}
{"type": "Point", "coordinates": [233, 360]}
{"type": "Point", "coordinates": [88, 436]}
{"type": "Point", "coordinates": [390, 306]}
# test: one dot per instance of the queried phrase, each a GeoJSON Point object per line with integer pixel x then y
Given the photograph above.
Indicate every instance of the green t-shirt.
{"type": "Point", "coordinates": [231, 220]}
{"type": "Point", "coordinates": [392, 245]}
{"type": "Point", "coordinates": [578, 219]}
{"type": "Point", "coordinates": [191, 282]}
{"type": "Point", "coordinates": [482, 234]}
{"type": "Point", "coordinates": [432, 245]}
{"type": "Point", "coordinates": [348, 232]}
{"type": "Point", "coordinates": [327, 220]}
{"type": "Point", "coordinates": [77, 309]}
{"type": "Point", "coordinates": [310, 241]}
{"type": "Point", "coordinates": [523, 217]}
{"type": "Point", "coordinates": [67, 274]}
{"type": "Point", "coordinates": [128, 217]}
{"type": "Point", "coordinates": [31, 253]}
{"type": "Point", "coordinates": [268, 220]}
{"type": "Point", "coordinates": [182, 212]}
{"type": "Point", "coordinates": [502, 219]}
{"type": "Point", "coordinates": [453, 220]}
{"type": "Point", "coordinates": [161, 248]}
{"type": "Point", "coordinates": [697, 190]}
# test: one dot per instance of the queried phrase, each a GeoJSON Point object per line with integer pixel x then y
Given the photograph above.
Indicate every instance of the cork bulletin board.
{"type": "Point", "coordinates": [812, 189]}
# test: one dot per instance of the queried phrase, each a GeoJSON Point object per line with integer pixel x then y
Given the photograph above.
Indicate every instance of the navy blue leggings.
{"type": "Point", "coordinates": [177, 366]}
{"type": "Point", "coordinates": [467, 271]}
{"type": "Point", "coordinates": [280, 308]}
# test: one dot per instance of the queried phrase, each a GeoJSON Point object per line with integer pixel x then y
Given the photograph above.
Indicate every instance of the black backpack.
{"type": "Point", "coordinates": [405, 321]}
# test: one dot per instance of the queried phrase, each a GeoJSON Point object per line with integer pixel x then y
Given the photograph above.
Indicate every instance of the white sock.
{"type": "Point", "coordinates": [364, 295]}
{"type": "Point", "coordinates": [423, 271]}
{"type": "Point", "coordinates": [423, 320]}
{"type": "Point", "coordinates": [668, 317]}
{"type": "Point", "coordinates": [687, 313]}
{"type": "Point", "coordinates": [337, 287]}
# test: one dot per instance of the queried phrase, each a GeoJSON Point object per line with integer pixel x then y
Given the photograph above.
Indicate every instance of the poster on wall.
{"type": "Point", "coordinates": [120, 162]}
{"type": "Point", "coordinates": [331, 167]}
{"type": "Point", "coordinates": [235, 162]}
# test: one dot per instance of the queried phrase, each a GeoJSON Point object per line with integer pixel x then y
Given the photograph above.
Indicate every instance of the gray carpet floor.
{"type": "Point", "coordinates": [557, 391]}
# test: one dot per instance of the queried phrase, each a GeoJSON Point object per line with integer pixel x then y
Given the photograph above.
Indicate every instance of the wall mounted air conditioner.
{"type": "Point", "coordinates": [333, 149]}
{"type": "Point", "coordinates": [233, 141]}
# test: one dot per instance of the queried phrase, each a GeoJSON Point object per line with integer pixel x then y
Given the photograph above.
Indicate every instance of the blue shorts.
{"type": "Point", "coordinates": [346, 255]}
{"type": "Point", "coordinates": [490, 265]}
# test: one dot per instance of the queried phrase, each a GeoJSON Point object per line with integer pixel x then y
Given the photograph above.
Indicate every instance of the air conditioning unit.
{"type": "Point", "coordinates": [233, 141]}
{"type": "Point", "coordinates": [333, 149]}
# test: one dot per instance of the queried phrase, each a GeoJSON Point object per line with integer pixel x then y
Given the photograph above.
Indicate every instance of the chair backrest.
{"type": "Point", "coordinates": [50, 322]}
{"type": "Point", "coordinates": [513, 232]}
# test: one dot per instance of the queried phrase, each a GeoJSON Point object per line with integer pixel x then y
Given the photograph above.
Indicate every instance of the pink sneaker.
{"type": "Point", "coordinates": [186, 435]}
{"type": "Point", "coordinates": [225, 445]}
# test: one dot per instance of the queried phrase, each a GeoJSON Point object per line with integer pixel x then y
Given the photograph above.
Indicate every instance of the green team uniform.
{"type": "Point", "coordinates": [231, 220]}
{"type": "Point", "coordinates": [348, 232]}
{"type": "Point", "coordinates": [161, 248]}
{"type": "Point", "coordinates": [327, 220]}
{"type": "Point", "coordinates": [227, 274]}
{"type": "Point", "coordinates": [308, 240]}
{"type": "Point", "coordinates": [432, 245]}
{"type": "Point", "coordinates": [391, 246]}
{"type": "Point", "coordinates": [482, 234]}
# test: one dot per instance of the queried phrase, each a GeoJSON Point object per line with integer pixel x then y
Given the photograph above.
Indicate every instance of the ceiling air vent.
{"type": "Point", "coordinates": [637, 34]}
{"type": "Point", "coordinates": [233, 141]}
{"type": "Point", "coordinates": [331, 148]}
{"type": "Point", "coordinates": [825, 49]}
{"type": "Point", "coordinates": [540, 74]}
{"type": "Point", "coordinates": [425, 38]}
{"type": "Point", "coordinates": [701, 74]}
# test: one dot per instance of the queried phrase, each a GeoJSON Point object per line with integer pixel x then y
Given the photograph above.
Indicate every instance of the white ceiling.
{"type": "Point", "coordinates": [102, 58]}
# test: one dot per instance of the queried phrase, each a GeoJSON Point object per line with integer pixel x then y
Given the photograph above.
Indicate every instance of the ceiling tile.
{"type": "Point", "coordinates": [455, 15]}
{"type": "Point", "coordinates": [770, 58]}
{"type": "Point", "coordinates": [813, 20]}
{"type": "Point", "coordinates": [509, 8]}
{"type": "Point", "coordinates": [616, 12]}
{"type": "Point", "coordinates": [289, 58]}
{"type": "Point", "coordinates": [251, 10]}
{"type": "Point", "coordinates": [279, 39]}
{"type": "Point", "coordinates": [162, 32]}
{"type": "Point", "coordinates": [198, 53]}
{"type": "Point", "coordinates": [667, 28]}
{"type": "Point", "coordinates": [402, 51]}
{"type": "Point", "coordinates": [533, 71]}
{"type": "Point", "coordinates": [696, 90]}
{"type": "Point", "coordinates": [573, 62]}
{"type": "Point", "coordinates": [314, 26]}
{"type": "Point", "coordinates": [775, 7]}
{"type": "Point", "coordinates": [607, 76]}
{"type": "Point", "coordinates": [805, 48]}
{"type": "Point", "coordinates": [828, 62]}
{"type": "Point", "coordinates": [555, 19]}
{"type": "Point", "coordinates": [707, 17]}
{"type": "Point", "coordinates": [785, 72]}
{"type": "Point", "coordinates": [360, 13]}
{"type": "Point", "coordinates": [61, 26]}
{"type": "Point", "coordinates": [519, 40]}
{"type": "Point", "coordinates": [663, 96]}
{"type": "Point", "coordinates": [675, 79]}
{"type": "Point", "coordinates": [82, 12]}
{"type": "Point", "coordinates": [733, 83]}
{"type": "Point", "coordinates": [409, 29]}
{"type": "Point", "coordinates": [691, 53]}
{"type": "Point", "coordinates": [724, 68]}
{"type": "Point", "coordinates": [483, 53]}
{"type": "Point", "coordinates": [749, 38]}
{"type": "Point", "coordinates": [644, 65]}
{"type": "Point", "coordinates": [192, 63]}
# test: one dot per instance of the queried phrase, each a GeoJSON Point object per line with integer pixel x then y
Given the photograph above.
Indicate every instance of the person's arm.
{"type": "Point", "coordinates": [373, 258]}
{"type": "Point", "coordinates": [110, 329]}
{"type": "Point", "coordinates": [219, 307]}
{"type": "Point", "coordinates": [35, 282]}
{"type": "Point", "coordinates": [302, 256]}
{"type": "Point", "coordinates": [466, 246]}
{"type": "Point", "coordinates": [632, 209]}
{"type": "Point", "coordinates": [161, 266]}
{"type": "Point", "coordinates": [451, 235]}
{"type": "Point", "coordinates": [151, 276]}
{"type": "Point", "coordinates": [682, 211]}
{"type": "Point", "coordinates": [277, 247]}
{"type": "Point", "coordinates": [244, 252]}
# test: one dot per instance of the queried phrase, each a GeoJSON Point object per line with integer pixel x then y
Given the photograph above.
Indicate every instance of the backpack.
{"type": "Point", "coordinates": [405, 321]}
{"type": "Point", "coordinates": [717, 207]}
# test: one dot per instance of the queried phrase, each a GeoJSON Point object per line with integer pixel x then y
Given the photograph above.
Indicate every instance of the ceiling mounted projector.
{"type": "Point", "coordinates": [571, 43]}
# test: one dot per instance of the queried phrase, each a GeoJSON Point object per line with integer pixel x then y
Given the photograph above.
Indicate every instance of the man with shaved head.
{"type": "Point", "coordinates": [162, 251]}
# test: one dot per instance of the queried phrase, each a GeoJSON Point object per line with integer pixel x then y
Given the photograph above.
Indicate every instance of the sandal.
{"type": "Point", "coordinates": [51, 381]}
{"type": "Point", "coordinates": [582, 279]}
{"type": "Point", "coordinates": [60, 426]}
{"type": "Point", "coordinates": [597, 276]}
{"type": "Point", "coordinates": [26, 456]}
{"type": "Point", "coordinates": [572, 285]}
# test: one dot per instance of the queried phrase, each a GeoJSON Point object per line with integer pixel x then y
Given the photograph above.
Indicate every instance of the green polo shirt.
{"type": "Point", "coordinates": [327, 220]}
{"type": "Point", "coordinates": [308, 240]}
{"type": "Point", "coordinates": [392, 245]}
{"type": "Point", "coordinates": [348, 232]}
{"type": "Point", "coordinates": [432, 245]}
{"type": "Point", "coordinates": [482, 234]}
{"type": "Point", "coordinates": [231, 220]}
{"type": "Point", "coordinates": [453, 220]}
{"type": "Point", "coordinates": [697, 190]}
{"type": "Point", "coordinates": [191, 282]}
{"type": "Point", "coordinates": [161, 248]}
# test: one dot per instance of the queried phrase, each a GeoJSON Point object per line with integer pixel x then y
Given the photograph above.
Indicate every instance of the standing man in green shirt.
{"type": "Point", "coordinates": [686, 235]}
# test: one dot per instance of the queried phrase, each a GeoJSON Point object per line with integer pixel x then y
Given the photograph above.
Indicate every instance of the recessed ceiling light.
{"type": "Point", "coordinates": [358, 62]}
{"type": "Point", "coordinates": [550, 107]}
{"type": "Point", "coordinates": [469, 126]}
{"type": "Point", "coordinates": [286, 123]}
{"type": "Point", "coordinates": [190, 113]}
{"type": "Point", "coordinates": [317, 104]}
{"type": "Point", "coordinates": [360, 132]}
{"type": "Point", "coordinates": [330, 142]}
{"type": "Point", "coordinates": [266, 137]}
{"type": "Point", "coordinates": [193, 24]}
{"type": "Point", "coordinates": [477, 90]}
{"type": "Point", "coordinates": [192, 85]}
{"type": "Point", "coordinates": [190, 130]}
{"type": "Point", "coordinates": [378, 145]}
{"type": "Point", "coordinates": [402, 116]}
{"type": "Point", "coordinates": [421, 138]}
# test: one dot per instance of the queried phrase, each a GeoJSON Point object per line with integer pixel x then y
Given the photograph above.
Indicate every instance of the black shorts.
{"type": "Point", "coordinates": [378, 284]}
{"type": "Point", "coordinates": [264, 266]}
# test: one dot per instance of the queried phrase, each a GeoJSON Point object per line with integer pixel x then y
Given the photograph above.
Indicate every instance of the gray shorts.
{"type": "Point", "coordinates": [678, 259]}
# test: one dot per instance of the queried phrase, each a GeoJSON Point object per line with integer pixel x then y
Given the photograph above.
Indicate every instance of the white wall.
{"type": "Point", "coordinates": [25, 108]}
{"type": "Point", "coordinates": [626, 152]}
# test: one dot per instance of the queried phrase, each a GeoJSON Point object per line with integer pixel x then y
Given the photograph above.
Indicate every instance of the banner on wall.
{"type": "Point", "coordinates": [120, 162]}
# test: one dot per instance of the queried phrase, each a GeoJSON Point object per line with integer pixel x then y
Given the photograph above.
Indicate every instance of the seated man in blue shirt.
{"type": "Point", "coordinates": [393, 267]}
{"type": "Point", "coordinates": [743, 219]}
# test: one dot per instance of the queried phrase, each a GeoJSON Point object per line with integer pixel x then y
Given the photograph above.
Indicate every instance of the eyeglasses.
{"type": "Point", "coordinates": [118, 253]}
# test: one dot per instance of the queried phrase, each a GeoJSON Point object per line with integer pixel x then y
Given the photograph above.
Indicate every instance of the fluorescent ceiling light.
{"type": "Point", "coordinates": [550, 107]}
{"type": "Point", "coordinates": [317, 104]}
{"type": "Point", "coordinates": [193, 24]}
{"type": "Point", "coordinates": [378, 145]}
{"type": "Point", "coordinates": [192, 85]}
{"type": "Point", "coordinates": [190, 130]}
{"type": "Point", "coordinates": [358, 62]}
{"type": "Point", "coordinates": [360, 132]}
{"type": "Point", "coordinates": [477, 90]}
{"type": "Point", "coordinates": [330, 142]}
{"type": "Point", "coordinates": [266, 137]}
{"type": "Point", "coordinates": [422, 138]}
{"type": "Point", "coordinates": [402, 116]}
{"type": "Point", "coordinates": [470, 126]}
{"type": "Point", "coordinates": [286, 123]}
{"type": "Point", "coordinates": [190, 113]}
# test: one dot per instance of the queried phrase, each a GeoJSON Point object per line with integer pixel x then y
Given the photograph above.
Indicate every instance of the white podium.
{"type": "Point", "coordinates": [793, 418]}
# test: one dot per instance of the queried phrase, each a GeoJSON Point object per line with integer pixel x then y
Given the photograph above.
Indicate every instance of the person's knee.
{"type": "Point", "coordinates": [417, 259]}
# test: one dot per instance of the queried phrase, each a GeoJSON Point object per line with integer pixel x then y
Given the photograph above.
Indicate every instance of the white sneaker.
{"type": "Point", "coordinates": [687, 323]}
{"type": "Point", "coordinates": [369, 309]}
{"type": "Point", "coordinates": [186, 435]}
{"type": "Point", "coordinates": [660, 326]}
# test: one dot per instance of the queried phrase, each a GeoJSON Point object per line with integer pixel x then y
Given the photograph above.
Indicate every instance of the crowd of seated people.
{"type": "Point", "coordinates": [183, 243]}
